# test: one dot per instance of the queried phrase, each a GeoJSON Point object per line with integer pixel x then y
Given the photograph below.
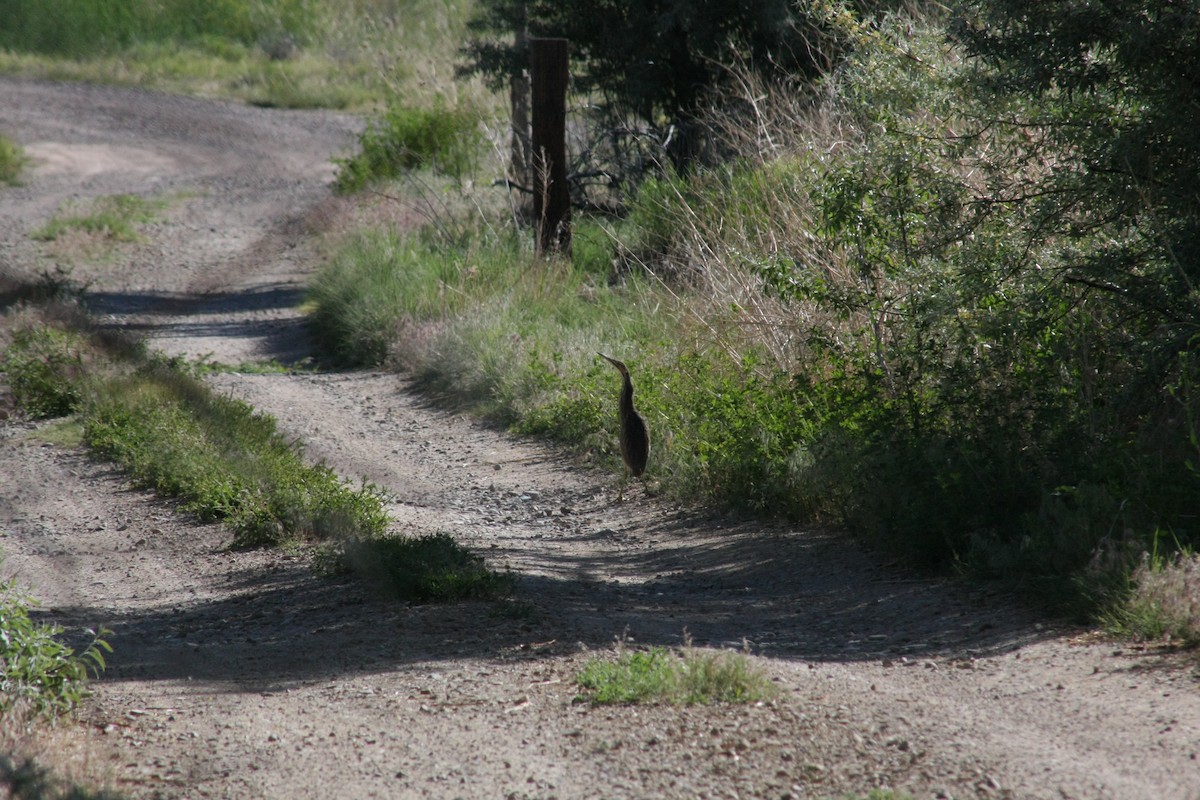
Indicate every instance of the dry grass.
{"type": "Point", "coordinates": [67, 761]}
{"type": "Point", "coordinates": [1165, 603]}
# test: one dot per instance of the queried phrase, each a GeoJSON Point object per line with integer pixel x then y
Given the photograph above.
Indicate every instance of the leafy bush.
{"type": "Point", "coordinates": [444, 140]}
{"type": "Point", "coordinates": [44, 366]}
{"type": "Point", "coordinates": [40, 674]}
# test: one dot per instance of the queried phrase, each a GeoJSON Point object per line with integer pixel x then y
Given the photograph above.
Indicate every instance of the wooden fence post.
{"type": "Point", "coordinates": [551, 198]}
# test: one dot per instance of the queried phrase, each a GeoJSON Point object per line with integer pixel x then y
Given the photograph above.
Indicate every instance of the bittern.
{"type": "Point", "coordinates": [635, 433]}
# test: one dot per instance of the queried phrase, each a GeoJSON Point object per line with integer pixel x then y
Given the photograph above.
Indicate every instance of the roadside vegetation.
{"type": "Point", "coordinates": [40, 675]}
{"type": "Point", "coordinates": [898, 296]}
{"type": "Point", "coordinates": [42, 678]}
{"type": "Point", "coordinates": [221, 459]}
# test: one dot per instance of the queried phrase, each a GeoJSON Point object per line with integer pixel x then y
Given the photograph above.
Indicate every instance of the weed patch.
{"type": "Point", "coordinates": [1163, 602]}
{"type": "Point", "coordinates": [432, 568]}
{"type": "Point", "coordinates": [12, 161]}
{"type": "Point", "coordinates": [112, 219]}
{"type": "Point", "coordinates": [660, 675]}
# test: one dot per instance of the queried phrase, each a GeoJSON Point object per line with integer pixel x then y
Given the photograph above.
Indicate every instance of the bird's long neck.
{"type": "Point", "coordinates": [627, 395]}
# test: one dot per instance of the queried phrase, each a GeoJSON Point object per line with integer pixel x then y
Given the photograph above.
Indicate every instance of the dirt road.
{"type": "Point", "coordinates": [241, 675]}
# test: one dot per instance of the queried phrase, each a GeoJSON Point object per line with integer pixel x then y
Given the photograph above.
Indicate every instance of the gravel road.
{"type": "Point", "coordinates": [242, 675]}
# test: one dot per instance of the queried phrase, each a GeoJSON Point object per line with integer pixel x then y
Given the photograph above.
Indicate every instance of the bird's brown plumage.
{"type": "Point", "coordinates": [635, 433]}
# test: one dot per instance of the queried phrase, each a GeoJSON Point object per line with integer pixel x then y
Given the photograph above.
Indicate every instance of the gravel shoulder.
{"type": "Point", "coordinates": [242, 675]}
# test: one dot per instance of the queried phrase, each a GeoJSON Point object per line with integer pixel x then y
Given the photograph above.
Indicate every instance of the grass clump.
{"type": "Point", "coordinates": [1163, 601]}
{"type": "Point", "coordinates": [114, 218]}
{"type": "Point", "coordinates": [444, 140]}
{"type": "Point", "coordinates": [661, 675]}
{"type": "Point", "coordinates": [40, 675]}
{"type": "Point", "coordinates": [433, 568]}
{"type": "Point", "coordinates": [12, 161]}
{"type": "Point", "coordinates": [223, 459]}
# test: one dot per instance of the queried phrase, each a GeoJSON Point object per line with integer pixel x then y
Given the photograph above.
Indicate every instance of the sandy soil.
{"type": "Point", "coordinates": [241, 675]}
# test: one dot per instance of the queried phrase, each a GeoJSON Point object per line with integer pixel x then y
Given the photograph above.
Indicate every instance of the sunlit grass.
{"type": "Point", "coordinates": [114, 218]}
{"type": "Point", "coordinates": [660, 675]}
{"type": "Point", "coordinates": [324, 54]}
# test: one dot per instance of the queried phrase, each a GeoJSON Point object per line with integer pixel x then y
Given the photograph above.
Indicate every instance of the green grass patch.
{"type": "Point", "coordinates": [39, 674]}
{"type": "Point", "coordinates": [12, 161]}
{"type": "Point", "coordinates": [280, 53]}
{"type": "Point", "coordinates": [114, 218]}
{"type": "Point", "coordinates": [223, 459]}
{"type": "Point", "coordinates": [660, 675]}
{"type": "Point", "coordinates": [404, 139]}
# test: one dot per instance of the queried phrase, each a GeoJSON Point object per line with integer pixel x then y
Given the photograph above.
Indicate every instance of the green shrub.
{"type": "Point", "coordinates": [433, 568]}
{"type": "Point", "coordinates": [44, 366]}
{"type": "Point", "coordinates": [39, 674]}
{"type": "Point", "coordinates": [444, 140]}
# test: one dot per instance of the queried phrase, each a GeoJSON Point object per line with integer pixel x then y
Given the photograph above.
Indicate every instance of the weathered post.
{"type": "Point", "coordinates": [551, 198]}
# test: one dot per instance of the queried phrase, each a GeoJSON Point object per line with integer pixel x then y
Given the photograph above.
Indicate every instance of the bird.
{"type": "Point", "coordinates": [635, 433]}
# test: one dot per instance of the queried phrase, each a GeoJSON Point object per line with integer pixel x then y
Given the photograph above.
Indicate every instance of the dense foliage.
{"type": "Point", "coordinates": [950, 305]}
{"type": "Point", "coordinates": [659, 61]}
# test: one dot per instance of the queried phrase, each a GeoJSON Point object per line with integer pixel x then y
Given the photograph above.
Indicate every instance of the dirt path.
{"type": "Point", "coordinates": [240, 675]}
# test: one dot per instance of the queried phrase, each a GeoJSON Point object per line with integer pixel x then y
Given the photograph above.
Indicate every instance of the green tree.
{"type": "Point", "coordinates": [659, 59]}
{"type": "Point", "coordinates": [1116, 86]}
